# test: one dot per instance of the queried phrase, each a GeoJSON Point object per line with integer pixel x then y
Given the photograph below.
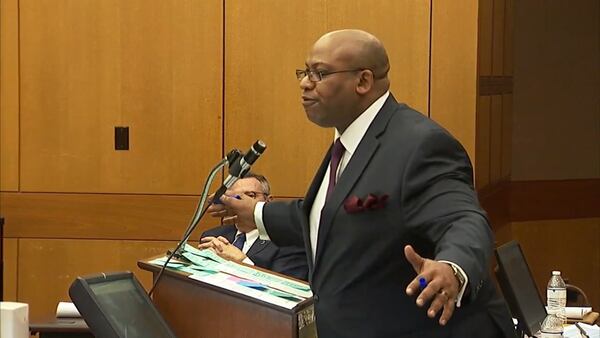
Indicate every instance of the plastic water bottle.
{"type": "Point", "coordinates": [556, 294]}
{"type": "Point", "coordinates": [552, 326]}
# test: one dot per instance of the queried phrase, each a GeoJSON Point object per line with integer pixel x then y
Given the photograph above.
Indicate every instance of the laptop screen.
{"type": "Point", "coordinates": [116, 305]}
{"type": "Point", "coordinates": [519, 288]}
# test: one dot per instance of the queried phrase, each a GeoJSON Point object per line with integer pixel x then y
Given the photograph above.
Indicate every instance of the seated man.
{"type": "Point", "coordinates": [228, 242]}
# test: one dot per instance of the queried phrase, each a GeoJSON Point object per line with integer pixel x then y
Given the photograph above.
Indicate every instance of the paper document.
{"type": "Point", "coordinates": [575, 312]}
{"type": "Point", "coordinates": [572, 331]}
{"type": "Point", "coordinates": [268, 279]}
{"type": "Point", "coordinates": [239, 285]}
{"type": "Point", "coordinates": [203, 253]}
{"type": "Point", "coordinates": [67, 309]}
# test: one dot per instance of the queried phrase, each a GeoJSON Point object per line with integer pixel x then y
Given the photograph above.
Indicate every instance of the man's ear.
{"type": "Point", "coordinates": [365, 82]}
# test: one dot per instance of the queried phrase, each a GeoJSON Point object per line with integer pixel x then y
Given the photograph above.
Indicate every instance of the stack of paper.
{"type": "Point", "coordinates": [575, 331]}
{"type": "Point", "coordinates": [575, 312]}
{"type": "Point", "coordinates": [208, 267]}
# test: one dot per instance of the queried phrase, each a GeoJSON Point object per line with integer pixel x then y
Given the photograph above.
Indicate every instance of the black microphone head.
{"type": "Point", "coordinates": [254, 153]}
{"type": "Point", "coordinates": [233, 156]}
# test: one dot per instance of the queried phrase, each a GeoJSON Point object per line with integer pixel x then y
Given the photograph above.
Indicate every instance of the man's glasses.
{"type": "Point", "coordinates": [318, 75]}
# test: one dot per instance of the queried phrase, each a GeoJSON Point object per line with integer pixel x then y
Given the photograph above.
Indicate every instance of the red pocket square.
{"type": "Point", "coordinates": [354, 205]}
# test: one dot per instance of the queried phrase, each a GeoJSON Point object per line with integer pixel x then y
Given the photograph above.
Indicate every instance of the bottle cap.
{"type": "Point", "coordinates": [555, 273]}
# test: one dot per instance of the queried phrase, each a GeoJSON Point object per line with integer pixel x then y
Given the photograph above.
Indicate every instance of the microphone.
{"type": "Point", "coordinates": [240, 167]}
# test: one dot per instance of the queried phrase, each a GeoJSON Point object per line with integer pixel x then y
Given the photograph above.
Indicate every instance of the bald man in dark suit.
{"type": "Point", "coordinates": [398, 245]}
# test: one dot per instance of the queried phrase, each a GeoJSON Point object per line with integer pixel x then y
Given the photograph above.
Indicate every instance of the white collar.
{"type": "Point", "coordinates": [358, 128]}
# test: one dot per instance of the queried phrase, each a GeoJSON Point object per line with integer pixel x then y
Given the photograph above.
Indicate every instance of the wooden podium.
{"type": "Point", "coordinates": [196, 309]}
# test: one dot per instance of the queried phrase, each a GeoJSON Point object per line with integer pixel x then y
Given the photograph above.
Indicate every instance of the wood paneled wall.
{"type": "Point", "coordinates": [191, 79]}
{"type": "Point", "coordinates": [9, 95]}
{"type": "Point", "coordinates": [453, 70]}
{"type": "Point", "coordinates": [557, 81]}
{"type": "Point", "coordinates": [88, 66]}
{"type": "Point", "coordinates": [494, 100]}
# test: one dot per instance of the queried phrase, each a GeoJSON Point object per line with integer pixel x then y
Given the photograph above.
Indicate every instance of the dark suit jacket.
{"type": "Point", "coordinates": [289, 261]}
{"type": "Point", "coordinates": [360, 273]}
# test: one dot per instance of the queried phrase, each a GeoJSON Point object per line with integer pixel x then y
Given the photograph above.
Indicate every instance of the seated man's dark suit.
{"type": "Point", "coordinates": [290, 261]}
{"type": "Point", "coordinates": [359, 277]}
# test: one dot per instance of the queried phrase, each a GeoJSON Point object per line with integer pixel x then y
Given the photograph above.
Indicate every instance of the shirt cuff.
{"type": "Point", "coordinates": [258, 212]}
{"type": "Point", "coordinates": [248, 261]}
{"type": "Point", "coordinates": [461, 292]}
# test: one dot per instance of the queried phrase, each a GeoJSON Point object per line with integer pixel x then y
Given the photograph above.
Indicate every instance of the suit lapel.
{"type": "Point", "coordinates": [358, 163]}
{"type": "Point", "coordinates": [258, 246]}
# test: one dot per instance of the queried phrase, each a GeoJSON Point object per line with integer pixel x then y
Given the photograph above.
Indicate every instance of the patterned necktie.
{"type": "Point", "coordinates": [239, 241]}
{"type": "Point", "coordinates": [336, 156]}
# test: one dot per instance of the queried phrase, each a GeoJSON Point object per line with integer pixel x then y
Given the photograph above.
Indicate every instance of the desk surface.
{"type": "Point", "coordinates": [63, 325]}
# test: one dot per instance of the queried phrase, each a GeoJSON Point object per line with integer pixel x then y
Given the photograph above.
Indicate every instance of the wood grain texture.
{"type": "Point", "coordinates": [88, 66]}
{"type": "Point", "coordinates": [498, 38]}
{"type": "Point", "coordinates": [453, 97]}
{"type": "Point", "coordinates": [507, 66]}
{"type": "Point", "coordinates": [265, 41]}
{"type": "Point", "coordinates": [9, 95]}
{"type": "Point", "coordinates": [570, 246]}
{"type": "Point", "coordinates": [484, 37]}
{"type": "Point", "coordinates": [99, 216]}
{"type": "Point", "coordinates": [506, 143]}
{"type": "Point", "coordinates": [407, 43]}
{"type": "Point", "coordinates": [48, 267]}
{"type": "Point", "coordinates": [496, 138]}
{"type": "Point", "coordinates": [9, 249]}
{"type": "Point", "coordinates": [215, 310]}
{"type": "Point", "coordinates": [482, 145]}
{"type": "Point", "coordinates": [554, 199]}
{"type": "Point", "coordinates": [556, 105]}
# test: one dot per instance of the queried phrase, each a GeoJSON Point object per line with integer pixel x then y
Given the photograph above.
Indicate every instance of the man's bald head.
{"type": "Point", "coordinates": [346, 71]}
{"type": "Point", "coordinates": [357, 49]}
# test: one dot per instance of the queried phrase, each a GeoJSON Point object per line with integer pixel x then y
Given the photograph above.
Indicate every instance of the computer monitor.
{"type": "Point", "coordinates": [115, 305]}
{"type": "Point", "coordinates": [519, 288]}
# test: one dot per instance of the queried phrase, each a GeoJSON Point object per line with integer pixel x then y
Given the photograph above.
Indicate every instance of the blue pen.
{"type": "Point", "coordinates": [422, 283]}
{"type": "Point", "coordinates": [234, 196]}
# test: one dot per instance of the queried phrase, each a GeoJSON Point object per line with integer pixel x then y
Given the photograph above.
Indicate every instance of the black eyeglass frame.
{"type": "Point", "coordinates": [318, 75]}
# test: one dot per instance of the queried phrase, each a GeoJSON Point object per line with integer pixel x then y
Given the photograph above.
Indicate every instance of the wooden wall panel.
{"type": "Point", "coordinates": [48, 267]}
{"type": "Point", "coordinates": [554, 199]}
{"type": "Point", "coordinates": [9, 95]}
{"type": "Point", "coordinates": [453, 97]}
{"type": "Point", "coordinates": [407, 43]}
{"type": "Point", "coordinates": [496, 137]}
{"type": "Point", "coordinates": [506, 142]}
{"type": "Point", "coordinates": [556, 133]}
{"type": "Point", "coordinates": [498, 37]}
{"type": "Point", "coordinates": [265, 41]}
{"type": "Point", "coordinates": [508, 45]}
{"type": "Point", "coordinates": [9, 248]}
{"type": "Point", "coordinates": [98, 216]}
{"type": "Point", "coordinates": [87, 67]}
{"type": "Point", "coordinates": [570, 246]}
{"type": "Point", "coordinates": [482, 146]}
{"type": "Point", "coordinates": [484, 37]}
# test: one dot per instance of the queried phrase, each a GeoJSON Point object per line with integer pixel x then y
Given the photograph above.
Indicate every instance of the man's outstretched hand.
{"type": "Point", "coordinates": [233, 210]}
{"type": "Point", "coordinates": [441, 287]}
